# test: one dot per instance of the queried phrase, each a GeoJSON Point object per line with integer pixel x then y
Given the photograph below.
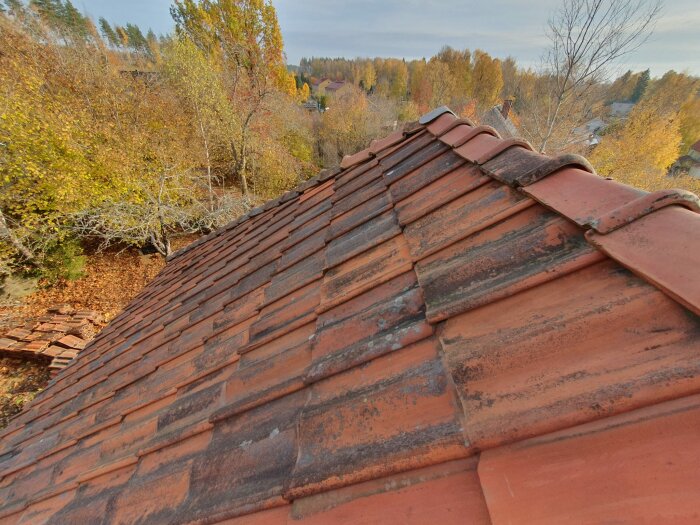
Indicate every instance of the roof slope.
{"type": "Point", "coordinates": [451, 328]}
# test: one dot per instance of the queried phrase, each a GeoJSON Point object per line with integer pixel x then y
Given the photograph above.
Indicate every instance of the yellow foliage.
{"type": "Point", "coordinates": [304, 93]}
{"type": "Point", "coordinates": [641, 152]}
{"type": "Point", "coordinates": [690, 123]}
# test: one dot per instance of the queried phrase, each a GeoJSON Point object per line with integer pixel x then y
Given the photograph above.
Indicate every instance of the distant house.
{"type": "Point", "coordinates": [335, 86]}
{"type": "Point", "coordinates": [621, 109]}
{"type": "Point", "coordinates": [498, 118]}
{"type": "Point", "coordinates": [327, 87]}
{"type": "Point", "coordinates": [589, 133]}
{"type": "Point", "coordinates": [311, 105]}
{"type": "Point", "coordinates": [318, 87]}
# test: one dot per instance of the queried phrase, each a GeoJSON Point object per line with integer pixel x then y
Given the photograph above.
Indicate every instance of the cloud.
{"type": "Point", "coordinates": [419, 28]}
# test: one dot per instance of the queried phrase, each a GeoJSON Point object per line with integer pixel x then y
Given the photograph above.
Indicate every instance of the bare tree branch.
{"type": "Point", "coordinates": [586, 37]}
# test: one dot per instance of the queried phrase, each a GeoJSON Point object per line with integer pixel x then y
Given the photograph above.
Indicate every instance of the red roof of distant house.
{"type": "Point", "coordinates": [696, 146]}
{"type": "Point", "coordinates": [449, 328]}
{"type": "Point", "coordinates": [335, 85]}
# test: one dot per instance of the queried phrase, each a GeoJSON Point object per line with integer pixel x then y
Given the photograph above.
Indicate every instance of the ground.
{"type": "Point", "coordinates": [109, 282]}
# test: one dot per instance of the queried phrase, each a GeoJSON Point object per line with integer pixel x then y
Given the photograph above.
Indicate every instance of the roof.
{"type": "Point", "coordinates": [55, 338]}
{"type": "Point", "coordinates": [504, 126]}
{"type": "Point", "coordinates": [335, 85]}
{"type": "Point", "coordinates": [696, 146]}
{"type": "Point", "coordinates": [448, 326]}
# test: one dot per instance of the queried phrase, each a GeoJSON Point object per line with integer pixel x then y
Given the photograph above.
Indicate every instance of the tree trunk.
{"type": "Point", "coordinates": [209, 181]}
{"type": "Point", "coordinates": [242, 172]}
{"type": "Point", "coordinates": [552, 122]}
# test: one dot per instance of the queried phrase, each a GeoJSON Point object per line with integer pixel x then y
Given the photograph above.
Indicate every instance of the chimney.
{"type": "Point", "coordinates": [505, 108]}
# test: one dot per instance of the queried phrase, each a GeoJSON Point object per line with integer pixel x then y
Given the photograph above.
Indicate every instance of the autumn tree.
{"type": "Point", "coordinates": [487, 79]}
{"type": "Point", "coordinates": [689, 116]}
{"type": "Point", "coordinates": [243, 37]}
{"type": "Point", "coordinates": [201, 89]}
{"type": "Point", "coordinates": [673, 90]}
{"type": "Point", "coordinates": [441, 82]}
{"type": "Point", "coordinates": [349, 125]}
{"type": "Point", "coordinates": [304, 92]}
{"type": "Point", "coordinates": [460, 68]}
{"type": "Point", "coordinates": [622, 87]}
{"type": "Point", "coordinates": [641, 152]}
{"type": "Point", "coordinates": [368, 75]}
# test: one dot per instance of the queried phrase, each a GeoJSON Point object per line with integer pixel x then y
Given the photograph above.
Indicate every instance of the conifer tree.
{"type": "Point", "coordinates": [108, 32]}
{"type": "Point", "coordinates": [641, 86]}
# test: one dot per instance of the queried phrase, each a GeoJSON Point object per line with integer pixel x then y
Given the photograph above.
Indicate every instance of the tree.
{"type": "Point", "coordinates": [585, 37]}
{"type": "Point", "coordinates": [690, 123]}
{"type": "Point", "coordinates": [442, 83]}
{"type": "Point", "coordinates": [348, 126]}
{"type": "Point", "coordinates": [487, 79]}
{"type": "Point", "coordinates": [201, 89]}
{"type": "Point", "coordinates": [673, 90]}
{"type": "Point", "coordinates": [244, 38]}
{"type": "Point", "coordinates": [74, 21]}
{"type": "Point", "coordinates": [621, 89]}
{"type": "Point", "coordinates": [640, 87]}
{"type": "Point", "coordinates": [459, 64]}
{"type": "Point", "coordinates": [368, 76]}
{"type": "Point", "coordinates": [304, 92]}
{"type": "Point", "coordinates": [641, 152]}
{"type": "Point", "coordinates": [108, 33]}
{"type": "Point", "coordinates": [122, 35]}
{"type": "Point", "coordinates": [153, 46]}
{"type": "Point", "coordinates": [135, 38]}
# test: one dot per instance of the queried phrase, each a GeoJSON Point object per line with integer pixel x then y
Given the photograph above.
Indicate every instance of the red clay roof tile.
{"type": "Point", "coordinates": [593, 343]}
{"type": "Point", "coordinates": [661, 248]}
{"type": "Point", "coordinates": [448, 493]}
{"type": "Point", "coordinates": [446, 292]}
{"type": "Point", "coordinates": [440, 124]}
{"type": "Point", "coordinates": [393, 414]}
{"type": "Point", "coordinates": [381, 320]}
{"type": "Point", "coordinates": [641, 466]}
{"type": "Point", "coordinates": [525, 249]}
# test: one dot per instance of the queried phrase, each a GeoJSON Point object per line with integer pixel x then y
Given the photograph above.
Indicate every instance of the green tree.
{"type": "Point", "coordinates": [201, 89]}
{"type": "Point", "coordinates": [108, 33]}
{"type": "Point", "coordinates": [641, 86]}
{"type": "Point", "coordinates": [135, 38]}
{"type": "Point", "coordinates": [690, 123]}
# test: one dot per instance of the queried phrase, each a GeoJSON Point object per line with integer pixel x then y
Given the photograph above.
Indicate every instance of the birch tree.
{"type": "Point", "coordinates": [585, 38]}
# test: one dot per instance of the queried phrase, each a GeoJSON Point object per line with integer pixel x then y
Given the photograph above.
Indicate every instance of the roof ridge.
{"type": "Point", "coordinates": [614, 206]}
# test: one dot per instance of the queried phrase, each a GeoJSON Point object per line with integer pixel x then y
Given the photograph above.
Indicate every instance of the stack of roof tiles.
{"type": "Point", "coordinates": [450, 329]}
{"type": "Point", "coordinates": [57, 337]}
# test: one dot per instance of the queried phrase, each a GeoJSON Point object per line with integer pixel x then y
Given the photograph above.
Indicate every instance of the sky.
{"type": "Point", "coordinates": [415, 29]}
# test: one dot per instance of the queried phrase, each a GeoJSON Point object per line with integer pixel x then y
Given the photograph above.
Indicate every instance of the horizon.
{"type": "Point", "coordinates": [332, 29]}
